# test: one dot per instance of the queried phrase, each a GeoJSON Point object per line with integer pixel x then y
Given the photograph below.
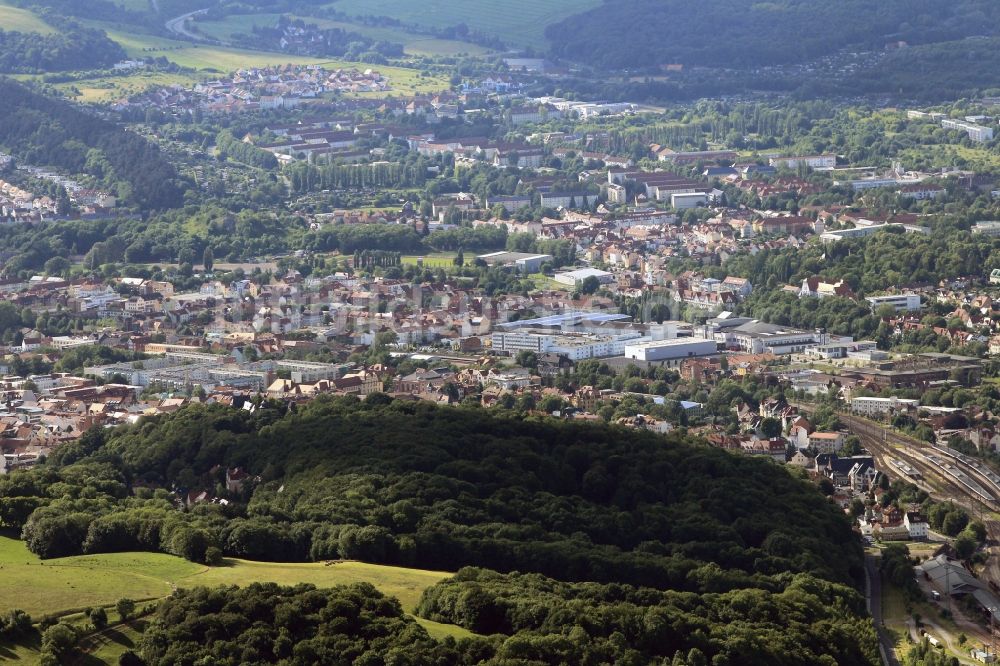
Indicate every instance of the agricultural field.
{"type": "Point", "coordinates": [67, 585]}
{"type": "Point", "coordinates": [21, 20]}
{"type": "Point", "coordinates": [111, 88]}
{"type": "Point", "coordinates": [232, 24]}
{"type": "Point", "coordinates": [210, 61]}
{"type": "Point", "coordinates": [517, 22]}
{"type": "Point", "coordinates": [202, 57]}
{"type": "Point", "coordinates": [413, 44]}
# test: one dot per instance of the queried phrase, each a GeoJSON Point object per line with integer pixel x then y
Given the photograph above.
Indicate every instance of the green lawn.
{"type": "Point", "coordinates": [66, 585]}
{"type": "Point", "coordinates": [544, 282]}
{"type": "Point", "coordinates": [21, 20]}
{"type": "Point", "coordinates": [437, 259]}
{"type": "Point", "coordinates": [517, 22]}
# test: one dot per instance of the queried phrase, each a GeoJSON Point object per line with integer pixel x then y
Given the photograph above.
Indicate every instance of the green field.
{"type": "Point", "coordinates": [197, 56]}
{"type": "Point", "coordinates": [517, 22]}
{"type": "Point", "coordinates": [412, 44]}
{"type": "Point", "coordinates": [210, 61]}
{"type": "Point", "coordinates": [545, 283]}
{"type": "Point", "coordinates": [67, 585]}
{"type": "Point", "coordinates": [437, 259]}
{"type": "Point", "coordinates": [21, 20]}
{"type": "Point", "coordinates": [231, 24]}
{"type": "Point", "coordinates": [111, 88]}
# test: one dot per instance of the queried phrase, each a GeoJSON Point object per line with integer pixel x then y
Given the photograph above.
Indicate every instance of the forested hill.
{"type": "Point", "coordinates": [643, 543]}
{"type": "Point", "coordinates": [70, 47]}
{"type": "Point", "coordinates": [48, 132]}
{"type": "Point", "coordinates": [641, 34]}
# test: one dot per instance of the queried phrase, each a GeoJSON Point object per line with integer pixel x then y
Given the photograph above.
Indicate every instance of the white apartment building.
{"type": "Point", "coordinates": [867, 406]}
{"type": "Point", "coordinates": [811, 161]}
{"type": "Point", "coordinates": [987, 228]}
{"type": "Point", "coordinates": [575, 346]}
{"type": "Point", "coordinates": [916, 524]}
{"type": "Point", "coordinates": [899, 302]}
{"type": "Point", "coordinates": [826, 442]}
{"type": "Point", "coordinates": [978, 133]}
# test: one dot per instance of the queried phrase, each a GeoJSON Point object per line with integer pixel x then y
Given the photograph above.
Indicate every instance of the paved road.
{"type": "Point", "coordinates": [874, 594]}
{"type": "Point", "coordinates": [178, 25]}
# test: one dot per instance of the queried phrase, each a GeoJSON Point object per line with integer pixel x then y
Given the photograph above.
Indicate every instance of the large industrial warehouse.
{"type": "Point", "coordinates": [670, 349]}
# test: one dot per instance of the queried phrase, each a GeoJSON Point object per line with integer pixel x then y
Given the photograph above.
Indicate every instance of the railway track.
{"type": "Point", "coordinates": [961, 478]}
{"type": "Point", "coordinates": [961, 482]}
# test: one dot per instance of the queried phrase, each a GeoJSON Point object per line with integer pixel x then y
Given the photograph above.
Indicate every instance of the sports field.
{"type": "Point", "coordinates": [437, 259]}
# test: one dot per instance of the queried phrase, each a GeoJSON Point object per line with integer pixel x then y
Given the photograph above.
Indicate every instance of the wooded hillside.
{"type": "Point", "coordinates": [47, 132]}
{"type": "Point", "coordinates": [646, 521]}
{"type": "Point", "coordinates": [644, 34]}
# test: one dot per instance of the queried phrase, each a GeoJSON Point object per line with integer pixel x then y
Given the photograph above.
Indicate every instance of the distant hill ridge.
{"type": "Point", "coordinates": [736, 34]}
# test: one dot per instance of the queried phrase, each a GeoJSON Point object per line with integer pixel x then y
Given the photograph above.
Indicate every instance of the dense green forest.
{"type": "Point", "coordinates": [643, 34]}
{"type": "Point", "coordinates": [113, 11]}
{"type": "Point", "coordinates": [266, 624]}
{"type": "Point", "coordinates": [49, 132]}
{"type": "Point", "coordinates": [946, 70]}
{"type": "Point", "coordinates": [234, 236]}
{"type": "Point", "coordinates": [418, 485]}
{"type": "Point", "coordinates": [71, 47]}
{"type": "Point", "coordinates": [729, 623]}
{"type": "Point", "coordinates": [887, 259]}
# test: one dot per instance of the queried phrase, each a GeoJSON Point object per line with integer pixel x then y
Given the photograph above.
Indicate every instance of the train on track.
{"type": "Point", "coordinates": [990, 479]}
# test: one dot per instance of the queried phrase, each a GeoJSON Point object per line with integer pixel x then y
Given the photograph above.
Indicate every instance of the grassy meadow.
{"type": "Point", "coordinates": [65, 586]}
{"type": "Point", "coordinates": [21, 20]}
{"type": "Point", "coordinates": [517, 22]}
{"type": "Point", "coordinates": [413, 44]}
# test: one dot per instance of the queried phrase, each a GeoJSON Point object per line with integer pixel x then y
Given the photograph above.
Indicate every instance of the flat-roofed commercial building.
{"type": "Point", "coordinates": [667, 350]}
{"type": "Point", "coordinates": [757, 337]}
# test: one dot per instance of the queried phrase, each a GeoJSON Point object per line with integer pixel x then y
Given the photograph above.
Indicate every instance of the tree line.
{"type": "Point", "coordinates": [414, 484]}
{"type": "Point", "coordinates": [43, 131]}
{"type": "Point", "coordinates": [70, 47]}
{"type": "Point", "coordinates": [722, 628]}
{"type": "Point", "coordinates": [731, 34]}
